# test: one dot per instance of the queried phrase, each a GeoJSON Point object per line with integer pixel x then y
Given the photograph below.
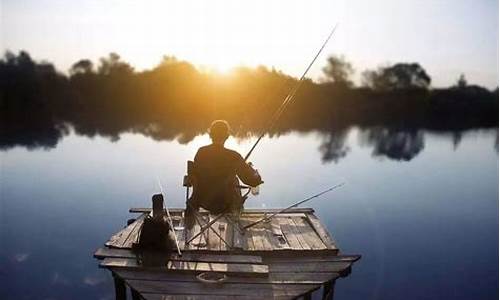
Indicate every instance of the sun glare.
{"type": "Point", "coordinates": [241, 146]}
{"type": "Point", "coordinates": [222, 68]}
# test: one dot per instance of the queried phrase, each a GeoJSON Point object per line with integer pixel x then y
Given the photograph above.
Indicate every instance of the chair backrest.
{"type": "Point", "coordinates": [189, 178]}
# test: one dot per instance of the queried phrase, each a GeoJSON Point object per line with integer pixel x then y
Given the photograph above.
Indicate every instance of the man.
{"type": "Point", "coordinates": [217, 170]}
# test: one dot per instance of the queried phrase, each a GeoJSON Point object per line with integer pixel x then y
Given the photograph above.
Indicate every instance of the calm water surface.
{"type": "Point", "coordinates": [426, 225]}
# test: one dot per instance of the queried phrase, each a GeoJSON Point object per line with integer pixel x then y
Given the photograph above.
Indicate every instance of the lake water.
{"type": "Point", "coordinates": [421, 208]}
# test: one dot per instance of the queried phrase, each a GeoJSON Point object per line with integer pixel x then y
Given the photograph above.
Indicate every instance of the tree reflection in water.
{"type": "Point", "coordinates": [401, 144]}
{"type": "Point", "coordinates": [396, 144]}
{"type": "Point", "coordinates": [333, 148]}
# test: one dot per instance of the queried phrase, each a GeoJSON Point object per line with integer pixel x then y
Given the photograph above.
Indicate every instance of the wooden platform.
{"type": "Point", "coordinates": [289, 257]}
{"type": "Point", "coordinates": [299, 229]}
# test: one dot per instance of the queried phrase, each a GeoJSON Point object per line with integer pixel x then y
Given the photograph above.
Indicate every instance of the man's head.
{"type": "Point", "coordinates": [219, 131]}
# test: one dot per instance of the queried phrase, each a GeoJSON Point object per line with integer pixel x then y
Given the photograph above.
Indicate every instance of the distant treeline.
{"type": "Point", "coordinates": [175, 100]}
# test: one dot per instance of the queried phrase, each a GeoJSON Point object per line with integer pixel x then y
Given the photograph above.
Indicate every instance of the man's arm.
{"type": "Point", "coordinates": [247, 174]}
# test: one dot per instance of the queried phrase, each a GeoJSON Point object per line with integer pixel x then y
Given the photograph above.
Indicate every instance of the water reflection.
{"type": "Point", "coordinates": [400, 144]}
{"type": "Point", "coordinates": [396, 144]}
{"type": "Point", "coordinates": [32, 135]}
{"type": "Point", "coordinates": [66, 202]}
{"type": "Point", "coordinates": [333, 148]}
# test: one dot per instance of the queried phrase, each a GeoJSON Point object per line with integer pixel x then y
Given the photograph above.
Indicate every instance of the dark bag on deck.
{"type": "Point", "coordinates": [154, 235]}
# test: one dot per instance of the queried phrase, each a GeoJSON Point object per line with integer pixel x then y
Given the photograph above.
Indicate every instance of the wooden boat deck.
{"type": "Point", "coordinates": [299, 229]}
{"type": "Point", "coordinates": [290, 256]}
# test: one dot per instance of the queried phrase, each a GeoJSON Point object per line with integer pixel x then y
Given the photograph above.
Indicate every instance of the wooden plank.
{"type": "Point", "coordinates": [201, 242]}
{"type": "Point", "coordinates": [294, 267]}
{"type": "Point", "coordinates": [218, 267]}
{"type": "Point", "coordinates": [179, 230]}
{"type": "Point", "coordinates": [172, 211]}
{"type": "Point", "coordinates": [279, 241]}
{"type": "Point", "coordinates": [227, 234]}
{"type": "Point", "coordinates": [118, 239]}
{"type": "Point", "coordinates": [308, 234]}
{"type": "Point", "coordinates": [186, 266]}
{"type": "Point", "coordinates": [321, 231]}
{"type": "Point", "coordinates": [306, 259]}
{"type": "Point", "coordinates": [275, 278]}
{"type": "Point", "coordinates": [298, 234]}
{"type": "Point", "coordinates": [302, 277]}
{"type": "Point", "coordinates": [245, 211]}
{"type": "Point", "coordinates": [289, 234]}
{"type": "Point", "coordinates": [102, 253]}
{"type": "Point", "coordinates": [223, 258]}
{"type": "Point", "coordinates": [250, 246]}
{"type": "Point", "coordinates": [239, 241]}
{"type": "Point", "coordinates": [255, 234]}
{"type": "Point", "coordinates": [271, 239]}
{"type": "Point", "coordinates": [269, 236]}
{"type": "Point", "coordinates": [221, 227]}
{"type": "Point", "coordinates": [261, 234]}
{"type": "Point", "coordinates": [282, 215]}
{"type": "Point", "coordinates": [149, 296]}
{"type": "Point", "coordinates": [266, 291]}
{"type": "Point", "coordinates": [133, 237]}
{"type": "Point", "coordinates": [213, 239]}
{"type": "Point", "coordinates": [247, 240]}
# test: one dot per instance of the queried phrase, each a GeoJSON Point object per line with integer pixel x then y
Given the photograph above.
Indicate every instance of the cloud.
{"type": "Point", "coordinates": [92, 281]}
{"type": "Point", "coordinates": [59, 279]}
{"type": "Point", "coordinates": [21, 257]}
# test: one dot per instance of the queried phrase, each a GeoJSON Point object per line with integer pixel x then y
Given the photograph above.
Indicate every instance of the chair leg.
{"type": "Point", "coordinates": [204, 227]}
{"type": "Point", "coordinates": [236, 223]}
{"type": "Point", "coordinates": [207, 226]}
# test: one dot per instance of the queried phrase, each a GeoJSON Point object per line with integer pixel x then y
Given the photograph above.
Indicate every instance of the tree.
{"type": "Point", "coordinates": [83, 66]}
{"type": "Point", "coordinates": [113, 65]}
{"type": "Point", "coordinates": [461, 82]}
{"type": "Point", "coordinates": [338, 71]}
{"type": "Point", "coordinates": [397, 77]}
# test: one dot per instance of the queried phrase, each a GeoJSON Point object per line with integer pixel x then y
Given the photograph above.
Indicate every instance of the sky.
{"type": "Point", "coordinates": [447, 37]}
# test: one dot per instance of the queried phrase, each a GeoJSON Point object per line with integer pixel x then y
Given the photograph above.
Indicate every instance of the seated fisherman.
{"type": "Point", "coordinates": [217, 170]}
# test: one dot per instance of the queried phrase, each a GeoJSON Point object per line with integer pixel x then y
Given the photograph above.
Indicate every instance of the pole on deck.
{"type": "Point", "coordinates": [120, 290]}
{"type": "Point", "coordinates": [328, 290]}
{"type": "Point", "coordinates": [135, 294]}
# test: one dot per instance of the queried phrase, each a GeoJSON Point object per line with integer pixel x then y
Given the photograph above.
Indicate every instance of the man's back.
{"type": "Point", "coordinates": [216, 171]}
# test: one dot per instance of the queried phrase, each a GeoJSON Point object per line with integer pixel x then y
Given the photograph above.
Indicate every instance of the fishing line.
{"type": "Point", "coordinates": [169, 218]}
{"type": "Point", "coordinates": [266, 218]}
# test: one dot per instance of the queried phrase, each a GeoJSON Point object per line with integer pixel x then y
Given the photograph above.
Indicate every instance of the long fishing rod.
{"type": "Point", "coordinates": [266, 218]}
{"type": "Point", "coordinates": [170, 220]}
{"type": "Point", "coordinates": [288, 99]}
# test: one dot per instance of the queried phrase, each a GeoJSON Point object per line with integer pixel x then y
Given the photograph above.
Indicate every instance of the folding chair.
{"type": "Point", "coordinates": [190, 181]}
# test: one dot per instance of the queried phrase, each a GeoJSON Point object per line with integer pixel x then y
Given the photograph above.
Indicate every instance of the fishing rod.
{"type": "Point", "coordinates": [288, 99]}
{"type": "Point", "coordinates": [266, 218]}
{"type": "Point", "coordinates": [269, 97]}
{"type": "Point", "coordinates": [170, 220]}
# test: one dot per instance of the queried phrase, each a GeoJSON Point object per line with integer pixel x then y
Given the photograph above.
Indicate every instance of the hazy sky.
{"type": "Point", "coordinates": [447, 37]}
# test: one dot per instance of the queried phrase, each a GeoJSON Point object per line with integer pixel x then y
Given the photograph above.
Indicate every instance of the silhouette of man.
{"type": "Point", "coordinates": [217, 170]}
